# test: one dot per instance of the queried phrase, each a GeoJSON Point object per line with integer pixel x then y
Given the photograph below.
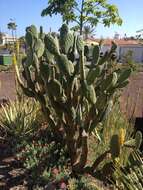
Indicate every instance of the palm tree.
{"type": "Point", "coordinates": [12, 26]}
{"type": "Point", "coordinates": [87, 31]}
{"type": "Point", "coordinates": [139, 35]}
{"type": "Point", "coordinates": [1, 36]}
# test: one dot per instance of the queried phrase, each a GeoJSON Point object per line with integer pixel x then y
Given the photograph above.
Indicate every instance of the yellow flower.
{"type": "Point", "coordinates": [17, 47]}
{"type": "Point", "coordinates": [121, 136]}
{"type": "Point", "coordinates": [14, 61]}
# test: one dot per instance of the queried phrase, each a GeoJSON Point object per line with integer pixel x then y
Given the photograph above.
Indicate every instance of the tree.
{"type": "Point", "coordinates": [139, 35]}
{"type": "Point", "coordinates": [12, 26]}
{"type": "Point", "coordinates": [84, 11]}
{"type": "Point", "coordinates": [1, 37]}
{"type": "Point", "coordinates": [87, 31]}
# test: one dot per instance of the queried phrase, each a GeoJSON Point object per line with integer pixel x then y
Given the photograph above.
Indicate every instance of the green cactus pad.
{"type": "Point", "coordinates": [33, 30]}
{"type": "Point", "coordinates": [92, 75]}
{"type": "Point", "coordinates": [79, 44]}
{"type": "Point", "coordinates": [123, 84]}
{"type": "Point", "coordinates": [115, 146]}
{"type": "Point", "coordinates": [68, 42]}
{"type": "Point", "coordinates": [115, 79]}
{"type": "Point", "coordinates": [95, 55]}
{"type": "Point", "coordinates": [114, 46]}
{"type": "Point", "coordinates": [89, 92]}
{"type": "Point", "coordinates": [109, 82]}
{"type": "Point", "coordinates": [45, 71]}
{"type": "Point", "coordinates": [65, 65]}
{"type": "Point", "coordinates": [124, 75]}
{"type": "Point", "coordinates": [54, 88]}
{"type": "Point", "coordinates": [138, 139]}
{"type": "Point", "coordinates": [51, 44]}
{"type": "Point", "coordinates": [29, 39]}
{"type": "Point", "coordinates": [104, 58]}
{"type": "Point", "coordinates": [39, 47]}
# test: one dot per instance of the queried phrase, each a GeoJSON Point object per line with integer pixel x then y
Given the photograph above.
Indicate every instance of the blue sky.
{"type": "Point", "coordinates": [27, 12]}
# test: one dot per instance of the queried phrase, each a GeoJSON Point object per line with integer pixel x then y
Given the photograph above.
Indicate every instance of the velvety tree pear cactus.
{"type": "Point", "coordinates": [74, 95]}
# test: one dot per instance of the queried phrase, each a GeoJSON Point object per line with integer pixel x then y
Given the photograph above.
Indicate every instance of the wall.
{"type": "Point", "coordinates": [137, 52]}
{"type": "Point", "coordinates": [123, 50]}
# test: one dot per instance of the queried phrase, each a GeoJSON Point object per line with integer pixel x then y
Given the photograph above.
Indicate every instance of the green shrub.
{"type": "Point", "coordinates": [46, 162]}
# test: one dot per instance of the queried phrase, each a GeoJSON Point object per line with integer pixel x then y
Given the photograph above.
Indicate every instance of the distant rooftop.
{"type": "Point", "coordinates": [120, 42]}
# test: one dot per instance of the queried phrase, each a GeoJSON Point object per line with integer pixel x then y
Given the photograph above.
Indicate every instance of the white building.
{"type": "Point", "coordinates": [6, 39]}
{"type": "Point", "coordinates": [124, 46]}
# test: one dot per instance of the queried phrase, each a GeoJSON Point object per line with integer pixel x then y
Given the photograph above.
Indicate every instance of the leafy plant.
{"type": "Point", "coordinates": [84, 182]}
{"type": "Point", "coordinates": [87, 31]}
{"type": "Point", "coordinates": [83, 12]}
{"type": "Point", "coordinates": [12, 26]}
{"type": "Point", "coordinates": [128, 59]}
{"type": "Point", "coordinates": [46, 162]}
{"type": "Point", "coordinates": [75, 98]}
{"type": "Point", "coordinates": [33, 153]}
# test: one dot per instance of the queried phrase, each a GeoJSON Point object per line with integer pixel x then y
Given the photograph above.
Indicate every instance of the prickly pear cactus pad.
{"type": "Point", "coordinates": [74, 95]}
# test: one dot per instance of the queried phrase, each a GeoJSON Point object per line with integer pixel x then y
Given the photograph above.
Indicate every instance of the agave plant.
{"type": "Point", "coordinates": [19, 119]}
{"type": "Point", "coordinates": [130, 177]}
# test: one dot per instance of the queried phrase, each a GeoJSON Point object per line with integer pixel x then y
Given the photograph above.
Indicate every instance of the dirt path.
{"type": "Point", "coordinates": [11, 173]}
{"type": "Point", "coordinates": [132, 97]}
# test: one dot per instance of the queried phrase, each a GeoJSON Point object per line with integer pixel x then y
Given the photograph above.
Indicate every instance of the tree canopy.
{"type": "Point", "coordinates": [12, 26]}
{"type": "Point", "coordinates": [84, 12]}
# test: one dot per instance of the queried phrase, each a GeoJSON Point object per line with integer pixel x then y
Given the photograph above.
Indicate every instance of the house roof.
{"type": "Point", "coordinates": [90, 42]}
{"type": "Point", "coordinates": [121, 42]}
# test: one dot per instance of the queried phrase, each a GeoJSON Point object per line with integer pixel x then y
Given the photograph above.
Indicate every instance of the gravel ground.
{"type": "Point", "coordinates": [7, 89]}
{"type": "Point", "coordinates": [132, 97]}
